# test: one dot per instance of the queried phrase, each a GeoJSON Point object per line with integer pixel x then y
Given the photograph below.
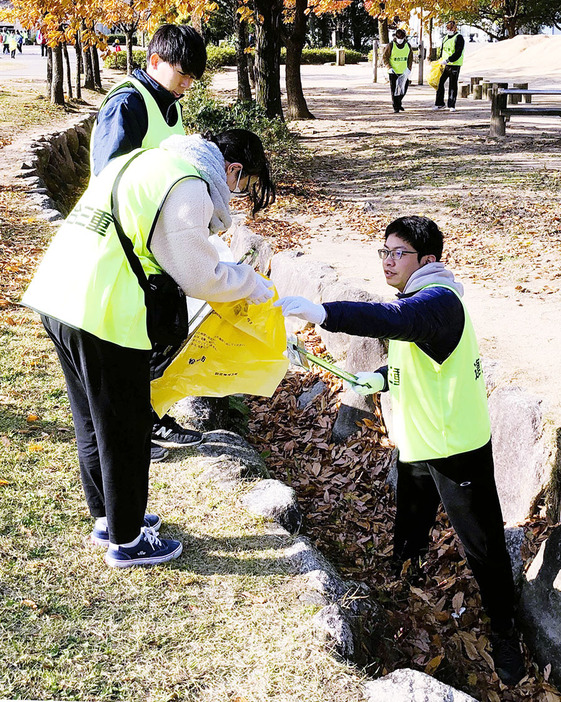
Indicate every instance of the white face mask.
{"type": "Point", "coordinates": [450, 32]}
{"type": "Point", "coordinates": [400, 42]}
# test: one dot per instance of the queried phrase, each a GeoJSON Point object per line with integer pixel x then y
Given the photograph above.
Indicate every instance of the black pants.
{"type": "Point", "coordinates": [396, 99]}
{"type": "Point", "coordinates": [450, 74]}
{"type": "Point", "coordinates": [465, 484]}
{"type": "Point", "coordinates": [109, 392]}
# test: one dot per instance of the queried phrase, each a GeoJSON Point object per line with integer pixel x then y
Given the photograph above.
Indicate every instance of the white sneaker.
{"type": "Point", "coordinates": [451, 109]}
{"type": "Point", "coordinates": [437, 107]}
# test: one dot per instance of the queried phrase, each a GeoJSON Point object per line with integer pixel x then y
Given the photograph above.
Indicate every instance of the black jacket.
{"type": "Point", "coordinates": [122, 122]}
{"type": "Point", "coordinates": [432, 318]}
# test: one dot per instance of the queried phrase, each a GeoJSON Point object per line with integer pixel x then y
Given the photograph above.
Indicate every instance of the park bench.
{"type": "Point", "coordinates": [500, 111]}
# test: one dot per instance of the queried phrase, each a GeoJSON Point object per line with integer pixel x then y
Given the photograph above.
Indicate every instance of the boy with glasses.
{"type": "Point", "coordinates": [440, 416]}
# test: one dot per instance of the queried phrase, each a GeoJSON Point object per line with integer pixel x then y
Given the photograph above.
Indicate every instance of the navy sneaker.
{"type": "Point", "coordinates": [100, 536]}
{"type": "Point", "coordinates": [150, 550]}
{"type": "Point", "coordinates": [157, 453]}
{"type": "Point", "coordinates": [167, 432]}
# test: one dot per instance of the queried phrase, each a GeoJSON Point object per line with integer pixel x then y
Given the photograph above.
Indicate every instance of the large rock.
{"type": "Point", "coordinates": [540, 606]}
{"type": "Point", "coordinates": [296, 274]}
{"type": "Point", "coordinates": [274, 500]}
{"type": "Point", "coordinates": [332, 628]}
{"type": "Point", "coordinates": [521, 450]}
{"type": "Point", "coordinates": [408, 685]}
{"type": "Point", "coordinates": [243, 239]}
{"type": "Point", "coordinates": [339, 343]}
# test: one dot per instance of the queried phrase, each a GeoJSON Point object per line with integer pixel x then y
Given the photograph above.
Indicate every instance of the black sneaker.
{"type": "Point", "coordinates": [157, 453]}
{"type": "Point", "coordinates": [167, 432]}
{"type": "Point", "coordinates": [507, 657]}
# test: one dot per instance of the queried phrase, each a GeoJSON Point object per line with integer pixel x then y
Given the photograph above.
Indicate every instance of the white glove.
{"type": "Point", "coordinates": [302, 308]}
{"type": "Point", "coordinates": [444, 62]}
{"type": "Point", "coordinates": [262, 291]}
{"type": "Point", "coordinates": [390, 70]}
{"type": "Point", "coordinates": [368, 383]}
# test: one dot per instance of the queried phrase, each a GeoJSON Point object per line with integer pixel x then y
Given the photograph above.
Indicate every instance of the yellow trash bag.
{"type": "Point", "coordinates": [238, 348]}
{"type": "Point", "coordinates": [435, 73]}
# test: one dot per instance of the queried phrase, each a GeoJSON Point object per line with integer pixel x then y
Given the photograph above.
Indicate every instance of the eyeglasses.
{"type": "Point", "coordinates": [396, 254]}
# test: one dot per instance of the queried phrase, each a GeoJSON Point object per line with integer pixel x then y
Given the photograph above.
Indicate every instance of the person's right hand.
{"type": "Point", "coordinates": [296, 306]}
{"type": "Point", "coordinates": [262, 292]}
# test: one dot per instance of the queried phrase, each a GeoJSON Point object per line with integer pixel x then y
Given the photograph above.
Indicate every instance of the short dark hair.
{"type": "Point", "coordinates": [421, 233]}
{"type": "Point", "coordinates": [245, 147]}
{"type": "Point", "coordinates": [179, 45]}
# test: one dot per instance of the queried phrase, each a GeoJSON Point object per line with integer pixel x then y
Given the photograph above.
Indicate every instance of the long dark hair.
{"type": "Point", "coordinates": [245, 147]}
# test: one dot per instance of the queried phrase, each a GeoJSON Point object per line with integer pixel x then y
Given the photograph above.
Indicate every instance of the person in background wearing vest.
{"type": "Point", "coordinates": [452, 57]}
{"type": "Point", "coordinates": [142, 111]}
{"type": "Point", "coordinates": [169, 200]}
{"type": "Point", "coordinates": [439, 414]}
{"type": "Point", "coordinates": [398, 57]}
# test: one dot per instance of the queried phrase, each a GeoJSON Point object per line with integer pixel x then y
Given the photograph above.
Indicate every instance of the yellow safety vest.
{"type": "Point", "coordinates": [85, 279]}
{"type": "Point", "coordinates": [438, 409]}
{"type": "Point", "coordinates": [158, 128]}
{"type": "Point", "coordinates": [448, 48]}
{"type": "Point", "coordinates": [399, 57]}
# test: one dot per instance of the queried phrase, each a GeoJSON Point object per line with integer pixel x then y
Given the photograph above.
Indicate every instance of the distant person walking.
{"type": "Point", "coordinates": [19, 40]}
{"type": "Point", "coordinates": [5, 43]}
{"type": "Point", "coordinates": [13, 45]}
{"type": "Point", "coordinates": [398, 58]}
{"type": "Point", "coordinates": [452, 57]}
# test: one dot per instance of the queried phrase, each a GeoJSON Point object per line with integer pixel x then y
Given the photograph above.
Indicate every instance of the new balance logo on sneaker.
{"type": "Point", "coordinates": [150, 550]}
{"type": "Point", "coordinates": [167, 432]}
{"type": "Point", "coordinates": [100, 533]}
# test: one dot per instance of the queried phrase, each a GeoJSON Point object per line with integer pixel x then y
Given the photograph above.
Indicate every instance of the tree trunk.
{"type": "Point", "coordinates": [68, 73]}
{"type": "Point", "coordinates": [95, 65]}
{"type": "Point", "coordinates": [88, 69]}
{"type": "Point", "coordinates": [79, 67]}
{"type": "Point", "coordinates": [267, 56]}
{"type": "Point", "coordinates": [129, 33]}
{"type": "Point", "coordinates": [384, 31]}
{"type": "Point", "coordinates": [49, 68]}
{"type": "Point", "coordinates": [294, 40]}
{"type": "Point", "coordinates": [244, 87]}
{"type": "Point", "coordinates": [57, 84]}
{"type": "Point", "coordinates": [197, 22]}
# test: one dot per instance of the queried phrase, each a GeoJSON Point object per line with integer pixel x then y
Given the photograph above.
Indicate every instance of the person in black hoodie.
{"type": "Point", "coordinates": [440, 417]}
{"type": "Point", "coordinates": [140, 112]}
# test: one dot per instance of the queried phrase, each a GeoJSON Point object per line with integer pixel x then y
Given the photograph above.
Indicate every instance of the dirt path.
{"type": "Point", "coordinates": [497, 200]}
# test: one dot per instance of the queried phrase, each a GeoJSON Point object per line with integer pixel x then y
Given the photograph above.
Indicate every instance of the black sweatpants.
{"type": "Point", "coordinates": [397, 99]}
{"type": "Point", "coordinates": [109, 392]}
{"type": "Point", "coordinates": [450, 74]}
{"type": "Point", "coordinates": [465, 484]}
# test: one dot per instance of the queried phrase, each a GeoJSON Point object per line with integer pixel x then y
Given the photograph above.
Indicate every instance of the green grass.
{"type": "Point", "coordinates": [222, 622]}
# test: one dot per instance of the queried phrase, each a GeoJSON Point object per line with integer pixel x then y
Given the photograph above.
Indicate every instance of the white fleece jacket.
{"type": "Point", "coordinates": [180, 241]}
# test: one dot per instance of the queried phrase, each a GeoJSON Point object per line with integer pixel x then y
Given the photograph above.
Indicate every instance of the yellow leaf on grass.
{"type": "Point", "coordinates": [35, 447]}
{"type": "Point", "coordinates": [433, 664]}
{"type": "Point", "coordinates": [32, 417]}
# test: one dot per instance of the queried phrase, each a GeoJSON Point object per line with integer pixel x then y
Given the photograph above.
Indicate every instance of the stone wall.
{"type": "Point", "coordinates": [56, 169]}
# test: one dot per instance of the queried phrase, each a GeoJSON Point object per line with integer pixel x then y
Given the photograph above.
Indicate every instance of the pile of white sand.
{"type": "Point", "coordinates": [535, 58]}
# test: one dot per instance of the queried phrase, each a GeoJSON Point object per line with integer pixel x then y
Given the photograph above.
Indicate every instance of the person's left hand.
{"type": "Point", "coordinates": [301, 307]}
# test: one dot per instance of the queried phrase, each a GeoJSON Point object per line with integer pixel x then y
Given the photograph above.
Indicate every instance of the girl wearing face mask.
{"type": "Point", "coordinates": [398, 58]}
